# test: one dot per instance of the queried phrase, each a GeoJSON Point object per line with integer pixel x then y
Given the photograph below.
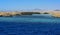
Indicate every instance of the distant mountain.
{"type": "Point", "coordinates": [36, 10]}
{"type": "Point", "coordinates": [56, 10]}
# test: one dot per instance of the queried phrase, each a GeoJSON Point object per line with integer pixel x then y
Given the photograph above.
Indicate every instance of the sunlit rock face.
{"type": "Point", "coordinates": [55, 13]}
{"type": "Point", "coordinates": [15, 13]}
{"type": "Point", "coordinates": [9, 13]}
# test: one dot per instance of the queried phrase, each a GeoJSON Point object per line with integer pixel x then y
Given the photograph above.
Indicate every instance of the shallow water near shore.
{"type": "Point", "coordinates": [29, 25]}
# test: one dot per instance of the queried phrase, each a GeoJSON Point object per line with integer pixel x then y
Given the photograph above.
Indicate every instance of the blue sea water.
{"type": "Point", "coordinates": [29, 25]}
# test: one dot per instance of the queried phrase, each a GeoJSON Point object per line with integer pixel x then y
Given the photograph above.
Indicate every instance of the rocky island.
{"type": "Point", "coordinates": [11, 14]}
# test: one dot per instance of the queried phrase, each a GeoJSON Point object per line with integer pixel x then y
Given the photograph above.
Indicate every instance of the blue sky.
{"type": "Point", "coordinates": [29, 4]}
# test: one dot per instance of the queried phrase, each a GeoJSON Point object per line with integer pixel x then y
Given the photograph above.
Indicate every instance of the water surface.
{"type": "Point", "coordinates": [29, 25]}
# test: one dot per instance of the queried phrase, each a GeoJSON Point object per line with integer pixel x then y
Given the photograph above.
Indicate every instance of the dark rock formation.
{"type": "Point", "coordinates": [45, 13]}
{"type": "Point", "coordinates": [26, 13]}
